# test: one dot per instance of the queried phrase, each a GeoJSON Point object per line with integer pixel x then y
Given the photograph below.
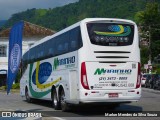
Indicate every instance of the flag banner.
{"type": "Point", "coordinates": [15, 53]}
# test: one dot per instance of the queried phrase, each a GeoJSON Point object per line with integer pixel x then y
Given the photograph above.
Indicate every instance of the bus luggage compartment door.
{"type": "Point", "coordinates": [73, 84]}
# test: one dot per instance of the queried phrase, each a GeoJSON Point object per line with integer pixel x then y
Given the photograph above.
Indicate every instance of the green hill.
{"type": "Point", "coordinates": [61, 17]}
{"type": "Point", "coordinates": [2, 22]}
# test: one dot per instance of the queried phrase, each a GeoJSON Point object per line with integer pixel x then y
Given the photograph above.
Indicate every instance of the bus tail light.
{"type": "Point", "coordinates": [84, 81]}
{"type": "Point", "coordinates": [138, 76]}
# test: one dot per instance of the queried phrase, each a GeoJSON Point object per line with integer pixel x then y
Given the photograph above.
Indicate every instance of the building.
{"type": "Point", "coordinates": [31, 34]}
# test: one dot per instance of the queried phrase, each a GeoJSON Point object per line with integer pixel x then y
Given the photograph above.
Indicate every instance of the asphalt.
{"type": "Point", "coordinates": [143, 89]}
{"type": "Point", "coordinates": [12, 91]}
{"type": "Point", "coordinates": [149, 99]}
{"type": "Point", "coordinates": [151, 90]}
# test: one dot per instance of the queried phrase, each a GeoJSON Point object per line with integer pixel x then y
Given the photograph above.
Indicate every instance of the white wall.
{"type": "Point", "coordinates": [25, 45]}
{"type": "Point", "coordinates": [4, 60]}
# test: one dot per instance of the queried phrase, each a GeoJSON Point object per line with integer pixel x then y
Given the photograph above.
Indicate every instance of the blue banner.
{"type": "Point", "coordinates": [15, 53]}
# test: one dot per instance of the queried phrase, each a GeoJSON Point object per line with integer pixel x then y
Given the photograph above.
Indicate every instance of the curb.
{"type": "Point", "coordinates": [151, 90]}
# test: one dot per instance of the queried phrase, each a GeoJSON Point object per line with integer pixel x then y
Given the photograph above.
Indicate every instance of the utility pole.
{"type": "Point", "coordinates": [150, 54]}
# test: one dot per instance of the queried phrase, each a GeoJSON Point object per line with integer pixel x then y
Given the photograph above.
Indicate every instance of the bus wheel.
{"type": "Point", "coordinates": [55, 101]}
{"type": "Point", "coordinates": [28, 99]}
{"type": "Point", "coordinates": [64, 105]}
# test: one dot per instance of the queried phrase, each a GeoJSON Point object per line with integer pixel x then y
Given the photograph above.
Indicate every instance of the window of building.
{"type": "Point", "coordinates": [3, 51]}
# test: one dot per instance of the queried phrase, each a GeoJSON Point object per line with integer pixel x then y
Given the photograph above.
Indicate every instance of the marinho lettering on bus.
{"type": "Point", "coordinates": [64, 61]}
{"type": "Point", "coordinates": [118, 71]}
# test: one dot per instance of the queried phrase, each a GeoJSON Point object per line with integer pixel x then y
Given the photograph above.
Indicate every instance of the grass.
{"type": "Point", "coordinates": [15, 88]}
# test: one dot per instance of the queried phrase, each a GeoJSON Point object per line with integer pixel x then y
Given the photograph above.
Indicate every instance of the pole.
{"type": "Point", "coordinates": [150, 56]}
{"type": "Point", "coordinates": [150, 53]}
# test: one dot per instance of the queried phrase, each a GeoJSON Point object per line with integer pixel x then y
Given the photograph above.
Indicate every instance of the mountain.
{"type": "Point", "coordinates": [2, 22]}
{"type": "Point", "coordinates": [61, 17]}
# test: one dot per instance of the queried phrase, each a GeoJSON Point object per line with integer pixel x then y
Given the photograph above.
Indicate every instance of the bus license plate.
{"type": "Point", "coordinates": [113, 95]}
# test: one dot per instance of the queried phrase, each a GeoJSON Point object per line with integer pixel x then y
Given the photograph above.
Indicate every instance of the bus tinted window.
{"type": "Point", "coordinates": [75, 39]}
{"type": "Point", "coordinates": [61, 43]}
{"type": "Point", "coordinates": [67, 42]}
{"type": "Point", "coordinates": [110, 34]}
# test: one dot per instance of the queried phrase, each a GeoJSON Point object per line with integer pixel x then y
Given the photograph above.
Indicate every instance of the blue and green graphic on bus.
{"type": "Point", "coordinates": [115, 30]}
{"type": "Point", "coordinates": [39, 77]}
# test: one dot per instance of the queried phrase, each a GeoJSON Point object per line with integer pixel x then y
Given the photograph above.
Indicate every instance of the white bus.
{"type": "Point", "coordinates": [96, 60]}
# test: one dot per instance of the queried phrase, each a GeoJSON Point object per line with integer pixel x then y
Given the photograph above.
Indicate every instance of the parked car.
{"type": "Point", "coordinates": [156, 83]}
{"type": "Point", "coordinates": [150, 79]}
{"type": "Point", "coordinates": [147, 81]}
{"type": "Point", "coordinates": [143, 79]}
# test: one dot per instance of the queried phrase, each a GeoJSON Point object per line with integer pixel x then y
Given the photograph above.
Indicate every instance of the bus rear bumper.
{"type": "Point", "coordinates": [105, 96]}
{"type": "Point", "coordinates": [108, 101]}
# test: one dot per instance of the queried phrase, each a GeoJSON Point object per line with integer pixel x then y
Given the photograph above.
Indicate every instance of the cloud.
{"type": "Point", "coordinates": [9, 7]}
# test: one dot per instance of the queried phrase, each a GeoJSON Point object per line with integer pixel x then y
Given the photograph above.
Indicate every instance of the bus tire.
{"type": "Point", "coordinates": [28, 98]}
{"type": "Point", "coordinates": [64, 105]}
{"type": "Point", "coordinates": [55, 101]}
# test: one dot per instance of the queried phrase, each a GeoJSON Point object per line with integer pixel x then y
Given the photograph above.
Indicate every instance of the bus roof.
{"type": "Point", "coordinates": [77, 24]}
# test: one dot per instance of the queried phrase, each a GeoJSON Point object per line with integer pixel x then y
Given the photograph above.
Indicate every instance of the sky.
{"type": "Point", "coordinates": [9, 7]}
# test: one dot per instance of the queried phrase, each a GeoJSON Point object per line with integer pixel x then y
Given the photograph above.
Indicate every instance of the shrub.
{"type": "Point", "coordinates": [3, 88]}
{"type": "Point", "coordinates": [15, 86]}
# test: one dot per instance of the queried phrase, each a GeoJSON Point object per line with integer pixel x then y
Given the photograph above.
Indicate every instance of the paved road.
{"type": "Point", "coordinates": [150, 101]}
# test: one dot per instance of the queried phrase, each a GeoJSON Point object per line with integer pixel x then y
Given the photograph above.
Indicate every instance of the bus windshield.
{"type": "Point", "coordinates": [110, 34]}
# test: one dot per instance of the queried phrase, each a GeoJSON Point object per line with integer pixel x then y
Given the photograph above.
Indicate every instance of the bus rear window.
{"type": "Point", "coordinates": [110, 34]}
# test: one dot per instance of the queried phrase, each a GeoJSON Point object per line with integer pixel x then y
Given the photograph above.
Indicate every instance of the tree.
{"type": "Point", "coordinates": [149, 19]}
{"type": "Point", "coordinates": [150, 16]}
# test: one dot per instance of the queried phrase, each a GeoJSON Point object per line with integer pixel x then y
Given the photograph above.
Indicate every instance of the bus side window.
{"type": "Point", "coordinates": [74, 45]}
{"type": "Point", "coordinates": [50, 52]}
{"type": "Point", "coordinates": [62, 44]}
{"type": "Point", "coordinates": [48, 49]}
{"type": "Point", "coordinates": [60, 47]}
{"type": "Point", "coordinates": [40, 53]}
{"type": "Point", "coordinates": [35, 51]}
{"type": "Point", "coordinates": [75, 38]}
{"type": "Point", "coordinates": [25, 57]}
{"type": "Point", "coordinates": [66, 47]}
{"type": "Point", "coordinates": [31, 55]}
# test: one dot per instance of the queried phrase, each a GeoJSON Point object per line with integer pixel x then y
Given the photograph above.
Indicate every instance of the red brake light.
{"type": "Point", "coordinates": [84, 81]}
{"type": "Point", "coordinates": [138, 84]}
